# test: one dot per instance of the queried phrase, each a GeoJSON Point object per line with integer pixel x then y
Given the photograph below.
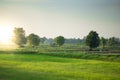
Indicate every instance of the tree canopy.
{"type": "Point", "coordinates": [59, 40]}
{"type": "Point", "coordinates": [92, 40]}
{"type": "Point", "coordinates": [19, 36]}
{"type": "Point", "coordinates": [33, 39]}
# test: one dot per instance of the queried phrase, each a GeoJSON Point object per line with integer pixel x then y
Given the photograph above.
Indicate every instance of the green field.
{"type": "Point", "coordinates": [45, 67]}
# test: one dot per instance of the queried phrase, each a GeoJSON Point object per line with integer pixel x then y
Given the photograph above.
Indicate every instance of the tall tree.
{"type": "Point", "coordinates": [59, 40]}
{"type": "Point", "coordinates": [92, 40]}
{"type": "Point", "coordinates": [19, 37]}
{"type": "Point", "coordinates": [33, 40]}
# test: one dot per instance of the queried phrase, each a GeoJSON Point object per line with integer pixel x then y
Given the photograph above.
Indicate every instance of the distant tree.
{"type": "Point", "coordinates": [113, 41]}
{"type": "Point", "coordinates": [19, 37]}
{"type": "Point", "coordinates": [42, 40]}
{"type": "Point", "coordinates": [59, 40]}
{"type": "Point", "coordinates": [33, 40]}
{"type": "Point", "coordinates": [103, 42]}
{"type": "Point", "coordinates": [92, 40]}
{"type": "Point", "coordinates": [73, 41]}
{"type": "Point", "coordinates": [117, 41]}
{"type": "Point", "coordinates": [48, 41]}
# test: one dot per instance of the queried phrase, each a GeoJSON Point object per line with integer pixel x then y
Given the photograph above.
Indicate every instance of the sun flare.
{"type": "Point", "coordinates": [6, 34]}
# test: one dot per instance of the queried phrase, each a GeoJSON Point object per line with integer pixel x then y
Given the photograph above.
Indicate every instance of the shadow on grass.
{"type": "Point", "coordinates": [33, 58]}
{"type": "Point", "coordinates": [18, 74]}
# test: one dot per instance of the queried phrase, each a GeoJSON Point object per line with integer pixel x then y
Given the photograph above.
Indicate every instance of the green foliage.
{"type": "Point", "coordinates": [92, 40]}
{"type": "Point", "coordinates": [103, 42]}
{"type": "Point", "coordinates": [42, 40]}
{"type": "Point", "coordinates": [19, 37]}
{"type": "Point", "coordinates": [113, 41]}
{"type": "Point", "coordinates": [33, 40]}
{"type": "Point", "coordinates": [59, 40]}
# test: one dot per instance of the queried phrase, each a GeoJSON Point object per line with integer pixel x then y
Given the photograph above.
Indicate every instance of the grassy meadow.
{"type": "Point", "coordinates": [60, 40]}
{"type": "Point", "coordinates": [39, 66]}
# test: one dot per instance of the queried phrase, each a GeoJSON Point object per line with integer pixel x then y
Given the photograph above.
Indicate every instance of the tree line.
{"type": "Point", "coordinates": [92, 40]}
{"type": "Point", "coordinates": [32, 39]}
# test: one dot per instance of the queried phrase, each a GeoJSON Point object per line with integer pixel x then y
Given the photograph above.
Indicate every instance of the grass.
{"type": "Point", "coordinates": [71, 54]}
{"type": "Point", "coordinates": [45, 67]}
{"type": "Point", "coordinates": [85, 55]}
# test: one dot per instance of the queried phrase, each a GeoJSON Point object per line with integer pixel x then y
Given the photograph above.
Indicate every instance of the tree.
{"type": "Point", "coordinates": [113, 41]}
{"type": "Point", "coordinates": [33, 40]}
{"type": "Point", "coordinates": [59, 40]}
{"type": "Point", "coordinates": [103, 42]}
{"type": "Point", "coordinates": [19, 37]}
{"type": "Point", "coordinates": [42, 40]}
{"type": "Point", "coordinates": [92, 40]}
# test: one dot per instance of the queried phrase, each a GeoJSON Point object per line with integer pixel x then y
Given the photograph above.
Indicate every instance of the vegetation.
{"type": "Point", "coordinates": [59, 40]}
{"type": "Point", "coordinates": [33, 40]}
{"type": "Point", "coordinates": [44, 67]}
{"type": "Point", "coordinates": [73, 41]}
{"type": "Point", "coordinates": [19, 37]}
{"type": "Point", "coordinates": [71, 61]}
{"type": "Point", "coordinates": [113, 41]}
{"type": "Point", "coordinates": [92, 40]}
{"type": "Point", "coordinates": [103, 42]}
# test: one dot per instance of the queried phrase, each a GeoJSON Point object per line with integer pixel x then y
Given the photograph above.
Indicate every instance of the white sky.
{"type": "Point", "coordinates": [69, 18]}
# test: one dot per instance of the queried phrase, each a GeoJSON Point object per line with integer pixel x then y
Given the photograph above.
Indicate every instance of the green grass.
{"type": "Point", "coordinates": [84, 55]}
{"type": "Point", "coordinates": [45, 67]}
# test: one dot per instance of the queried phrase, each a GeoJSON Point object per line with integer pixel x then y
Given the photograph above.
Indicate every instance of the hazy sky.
{"type": "Point", "coordinates": [69, 18]}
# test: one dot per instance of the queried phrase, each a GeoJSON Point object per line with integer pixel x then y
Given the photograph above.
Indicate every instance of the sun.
{"type": "Point", "coordinates": [6, 34]}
